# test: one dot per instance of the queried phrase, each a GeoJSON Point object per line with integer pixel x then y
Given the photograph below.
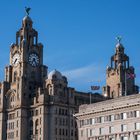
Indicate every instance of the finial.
{"type": "Point", "coordinates": [27, 10]}
{"type": "Point", "coordinates": [119, 38]}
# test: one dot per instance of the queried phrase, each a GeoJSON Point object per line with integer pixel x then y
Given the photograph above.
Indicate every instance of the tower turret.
{"type": "Point", "coordinates": [120, 77]}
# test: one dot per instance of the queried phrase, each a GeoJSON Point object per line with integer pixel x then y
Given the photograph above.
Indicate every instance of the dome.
{"type": "Point", "coordinates": [27, 18]}
{"type": "Point", "coordinates": [119, 48]}
{"type": "Point", "coordinates": [55, 74]}
{"type": "Point", "coordinates": [119, 45]}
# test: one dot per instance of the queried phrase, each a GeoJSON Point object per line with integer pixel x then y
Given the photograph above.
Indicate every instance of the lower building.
{"type": "Point", "coordinates": [114, 119]}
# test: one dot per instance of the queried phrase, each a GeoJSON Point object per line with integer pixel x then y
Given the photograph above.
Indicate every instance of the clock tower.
{"type": "Point", "coordinates": [26, 72]}
{"type": "Point", "coordinates": [24, 79]}
{"type": "Point", "coordinates": [120, 76]}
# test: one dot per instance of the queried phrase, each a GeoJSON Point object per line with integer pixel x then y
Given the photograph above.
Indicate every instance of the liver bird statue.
{"type": "Point", "coordinates": [27, 10]}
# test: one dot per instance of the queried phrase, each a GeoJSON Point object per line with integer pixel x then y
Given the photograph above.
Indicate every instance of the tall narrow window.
{"type": "Point", "coordinates": [36, 126]}
{"type": "Point", "coordinates": [15, 76]}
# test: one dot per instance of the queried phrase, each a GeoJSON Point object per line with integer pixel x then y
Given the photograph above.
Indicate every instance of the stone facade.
{"type": "Point", "coordinates": [35, 105]}
{"type": "Point", "coordinates": [115, 119]}
{"type": "Point", "coordinates": [120, 76]}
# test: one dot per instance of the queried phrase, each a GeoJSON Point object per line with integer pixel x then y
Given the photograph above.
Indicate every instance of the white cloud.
{"type": "Point", "coordinates": [90, 73]}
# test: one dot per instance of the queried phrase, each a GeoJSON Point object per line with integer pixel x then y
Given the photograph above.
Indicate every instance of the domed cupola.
{"type": "Point", "coordinates": [27, 21]}
{"type": "Point", "coordinates": [119, 46]}
{"type": "Point", "coordinates": [55, 75]}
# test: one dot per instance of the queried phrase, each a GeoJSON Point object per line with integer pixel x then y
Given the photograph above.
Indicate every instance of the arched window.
{"type": "Point", "coordinates": [36, 123]}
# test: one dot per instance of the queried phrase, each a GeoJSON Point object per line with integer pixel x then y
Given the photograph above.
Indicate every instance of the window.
{"type": "Point", "coordinates": [137, 126]}
{"type": "Point", "coordinates": [123, 116]}
{"type": "Point", "coordinates": [17, 113]}
{"type": "Point", "coordinates": [36, 112]}
{"type": "Point", "coordinates": [81, 133]}
{"type": "Point", "coordinates": [123, 127]}
{"type": "Point", "coordinates": [102, 119]}
{"type": "Point", "coordinates": [36, 126]}
{"type": "Point", "coordinates": [60, 132]}
{"type": "Point", "coordinates": [117, 116]}
{"type": "Point", "coordinates": [137, 137]}
{"type": "Point", "coordinates": [71, 132]}
{"type": "Point", "coordinates": [17, 133]}
{"type": "Point", "coordinates": [55, 131]}
{"type": "Point", "coordinates": [112, 118]}
{"type": "Point", "coordinates": [15, 76]}
{"type": "Point", "coordinates": [40, 110]}
{"type": "Point", "coordinates": [55, 121]}
{"type": "Point", "coordinates": [17, 123]}
{"type": "Point", "coordinates": [66, 132]}
{"type": "Point", "coordinates": [111, 129]}
{"type": "Point", "coordinates": [40, 131]}
{"type": "Point", "coordinates": [91, 132]}
{"type": "Point", "coordinates": [72, 123]}
{"type": "Point", "coordinates": [101, 131]}
{"type": "Point", "coordinates": [136, 114]}
{"type": "Point", "coordinates": [124, 138]}
{"type": "Point", "coordinates": [111, 138]}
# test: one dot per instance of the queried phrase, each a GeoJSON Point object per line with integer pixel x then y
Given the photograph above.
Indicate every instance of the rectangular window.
{"type": "Point", "coordinates": [40, 131]}
{"type": "Point", "coordinates": [111, 138]}
{"type": "Point", "coordinates": [40, 110]}
{"type": "Point", "coordinates": [36, 112]}
{"type": "Point", "coordinates": [93, 121]}
{"type": "Point", "coordinates": [124, 138]}
{"type": "Point", "coordinates": [101, 131]}
{"type": "Point", "coordinates": [81, 133]}
{"type": "Point", "coordinates": [137, 137]}
{"type": "Point", "coordinates": [90, 121]}
{"type": "Point", "coordinates": [123, 116]}
{"type": "Point", "coordinates": [112, 118]}
{"type": "Point", "coordinates": [111, 129]}
{"type": "Point", "coordinates": [55, 131]}
{"type": "Point", "coordinates": [102, 119]}
{"type": "Point", "coordinates": [123, 127]}
{"type": "Point", "coordinates": [137, 126]}
{"type": "Point", "coordinates": [17, 123]}
{"type": "Point", "coordinates": [136, 114]}
{"type": "Point", "coordinates": [17, 133]}
{"type": "Point", "coordinates": [90, 132]}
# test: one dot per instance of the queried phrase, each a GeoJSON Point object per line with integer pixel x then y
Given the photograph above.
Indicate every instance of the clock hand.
{"type": "Point", "coordinates": [15, 61]}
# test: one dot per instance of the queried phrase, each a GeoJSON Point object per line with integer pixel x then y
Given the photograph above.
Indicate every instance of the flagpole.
{"type": "Point", "coordinates": [90, 97]}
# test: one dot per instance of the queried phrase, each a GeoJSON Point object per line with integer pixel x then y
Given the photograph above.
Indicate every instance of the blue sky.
{"type": "Point", "coordinates": [78, 35]}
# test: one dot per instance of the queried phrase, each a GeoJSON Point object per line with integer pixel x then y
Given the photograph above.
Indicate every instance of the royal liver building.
{"type": "Point", "coordinates": [35, 105]}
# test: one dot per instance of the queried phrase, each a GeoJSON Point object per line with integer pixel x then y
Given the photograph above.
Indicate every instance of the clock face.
{"type": "Point", "coordinates": [34, 59]}
{"type": "Point", "coordinates": [16, 59]}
